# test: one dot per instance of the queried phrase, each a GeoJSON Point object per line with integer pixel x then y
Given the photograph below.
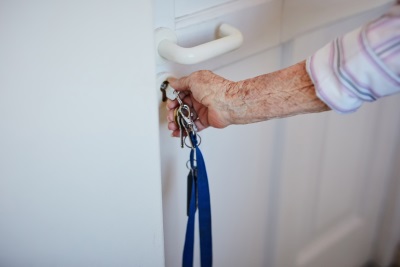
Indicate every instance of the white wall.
{"type": "Point", "coordinates": [79, 155]}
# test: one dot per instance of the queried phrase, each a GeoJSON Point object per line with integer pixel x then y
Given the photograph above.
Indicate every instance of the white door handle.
{"type": "Point", "coordinates": [167, 48]}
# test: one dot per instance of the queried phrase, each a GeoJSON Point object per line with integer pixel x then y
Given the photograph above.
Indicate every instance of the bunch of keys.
{"type": "Point", "coordinates": [183, 115]}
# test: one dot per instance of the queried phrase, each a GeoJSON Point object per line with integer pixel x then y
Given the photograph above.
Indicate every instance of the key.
{"type": "Point", "coordinates": [187, 122]}
{"type": "Point", "coordinates": [178, 121]}
{"type": "Point", "coordinates": [169, 92]}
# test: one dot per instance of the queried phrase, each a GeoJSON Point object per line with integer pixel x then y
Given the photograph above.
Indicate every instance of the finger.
{"type": "Point", "coordinates": [200, 126]}
{"type": "Point", "coordinates": [170, 116]}
{"type": "Point", "coordinates": [172, 104]}
{"type": "Point", "coordinates": [187, 99]}
{"type": "Point", "coordinates": [176, 133]}
{"type": "Point", "coordinates": [172, 126]}
{"type": "Point", "coordinates": [183, 94]}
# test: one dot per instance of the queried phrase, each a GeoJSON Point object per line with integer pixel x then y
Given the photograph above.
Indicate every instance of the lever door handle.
{"type": "Point", "coordinates": [167, 48]}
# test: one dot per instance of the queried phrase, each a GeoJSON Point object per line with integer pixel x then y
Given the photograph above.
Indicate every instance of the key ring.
{"type": "Point", "coordinates": [188, 164]}
{"type": "Point", "coordinates": [198, 138]}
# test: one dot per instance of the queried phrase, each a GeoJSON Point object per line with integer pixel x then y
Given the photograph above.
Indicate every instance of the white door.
{"type": "Point", "coordinates": [336, 170]}
{"type": "Point", "coordinates": [79, 155]}
{"type": "Point", "coordinates": [304, 191]}
{"type": "Point", "coordinates": [239, 159]}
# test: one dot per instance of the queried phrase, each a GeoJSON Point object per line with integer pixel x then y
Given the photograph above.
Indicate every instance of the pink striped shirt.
{"type": "Point", "coordinates": [363, 65]}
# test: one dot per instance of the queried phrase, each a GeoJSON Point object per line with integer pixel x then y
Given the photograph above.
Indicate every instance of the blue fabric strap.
{"type": "Point", "coordinates": [201, 193]}
{"type": "Point", "coordinates": [189, 239]}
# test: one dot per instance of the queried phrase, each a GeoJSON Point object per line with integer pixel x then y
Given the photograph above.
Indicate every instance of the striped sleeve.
{"type": "Point", "coordinates": [363, 65]}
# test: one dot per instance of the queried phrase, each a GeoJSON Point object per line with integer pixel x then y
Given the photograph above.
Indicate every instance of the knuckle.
{"type": "Point", "coordinates": [201, 74]}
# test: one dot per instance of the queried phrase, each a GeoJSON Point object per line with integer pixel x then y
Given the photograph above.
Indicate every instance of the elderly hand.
{"type": "Point", "coordinates": [208, 94]}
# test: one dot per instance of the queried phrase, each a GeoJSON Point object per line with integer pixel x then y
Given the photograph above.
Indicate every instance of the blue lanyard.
{"type": "Point", "coordinates": [199, 198]}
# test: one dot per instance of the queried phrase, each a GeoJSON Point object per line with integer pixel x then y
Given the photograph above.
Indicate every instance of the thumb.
{"type": "Point", "coordinates": [181, 84]}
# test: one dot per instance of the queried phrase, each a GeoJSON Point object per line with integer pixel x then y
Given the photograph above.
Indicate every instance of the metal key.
{"type": "Point", "coordinates": [178, 121]}
{"type": "Point", "coordinates": [184, 123]}
{"type": "Point", "coordinates": [169, 92]}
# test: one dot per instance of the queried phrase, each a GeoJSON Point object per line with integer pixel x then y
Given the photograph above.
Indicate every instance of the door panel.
{"type": "Point", "coordinates": [183, 7]}
{"type": "Point", "coordinates": [333, 187]}
{"type": "Point", "coordinates": [301, 16]}
{"type": "Point", "coordinates": [240, 228]}
{"type": "Point", "coordinates": [318, 225]}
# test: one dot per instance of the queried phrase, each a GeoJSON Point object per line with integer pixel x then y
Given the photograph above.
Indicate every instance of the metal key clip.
{"type": "Point", "coordinates": [187, 115]}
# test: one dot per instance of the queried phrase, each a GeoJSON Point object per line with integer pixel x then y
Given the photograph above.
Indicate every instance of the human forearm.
{"type": "Point", "coordinates": [279, 94]}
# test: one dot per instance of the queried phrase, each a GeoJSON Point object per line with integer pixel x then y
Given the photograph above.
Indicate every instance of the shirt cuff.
{"type": "Point", "coordinates": [348, 71]}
